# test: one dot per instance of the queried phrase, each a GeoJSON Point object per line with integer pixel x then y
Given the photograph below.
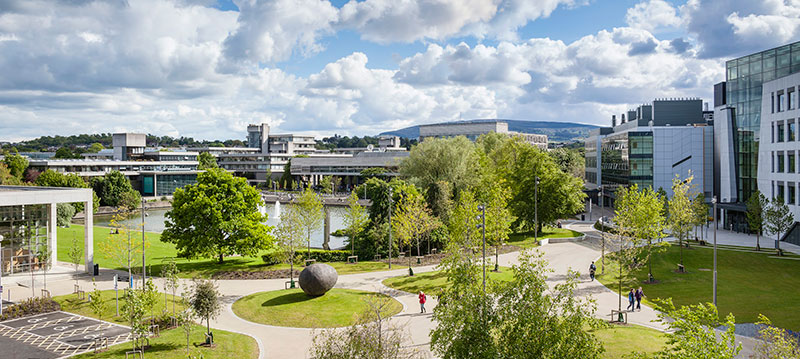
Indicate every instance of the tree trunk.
{"type": "Point", "coordinates": [221, 258]}
{"type": "Point", "coordinates": [758, 245]}
{"type": "Point", "coordinates": [496, 259]}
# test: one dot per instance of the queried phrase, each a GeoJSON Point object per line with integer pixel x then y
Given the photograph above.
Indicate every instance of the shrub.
{"type": "Point", "coordinates": [322, 255]}
{"type": "Point", "coordinates": [30, 306]}
{"type": "Point", "coordinates": [271, 258]}
{"type": "Point", "coordinates": [339, 233]}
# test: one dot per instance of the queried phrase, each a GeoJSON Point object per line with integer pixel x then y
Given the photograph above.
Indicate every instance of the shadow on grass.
{"type": "Point", "coordinates": [290, 298]}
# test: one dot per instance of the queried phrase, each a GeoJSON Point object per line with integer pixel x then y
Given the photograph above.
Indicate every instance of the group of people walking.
{"type": "Point", "coordinates": [635, 299]}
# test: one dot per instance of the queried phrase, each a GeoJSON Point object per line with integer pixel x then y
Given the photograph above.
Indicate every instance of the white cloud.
{"type": "Point", "coordinates": [653, 15]}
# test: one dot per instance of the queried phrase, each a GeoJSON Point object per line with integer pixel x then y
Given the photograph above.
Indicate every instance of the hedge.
{"type": "Point", "coordinates": [320, 255]}
{"type": "Point", "coordinates": [30, 306]}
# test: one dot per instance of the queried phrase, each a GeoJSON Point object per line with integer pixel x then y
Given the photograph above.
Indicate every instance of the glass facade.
{"type": "Point", "coordinates": [627, 158]}
{"type": "Point", "coordinates": [744, 77]}
{"type": "Point", "coordinates": [165, 184]}
{"type": "Point", "coordinates": [24, 230]}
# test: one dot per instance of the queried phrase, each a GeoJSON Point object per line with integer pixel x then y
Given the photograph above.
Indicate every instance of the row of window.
{"type": "Point", "coordinates": [783, 100]}
{"type": "Point", "coordinates": [786, 192]}
{"type": "Point", "coordinates": [784, 131]}
{"type": "Point", "coordinates": [784, 162]}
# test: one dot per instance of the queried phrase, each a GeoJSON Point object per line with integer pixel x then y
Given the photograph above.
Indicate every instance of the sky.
{"type": "Point", "coordinates": [207, 68]}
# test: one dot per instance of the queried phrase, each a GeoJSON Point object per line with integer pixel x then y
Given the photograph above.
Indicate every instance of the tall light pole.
{"type": "Point", "coordinates": [144, 275]}
{"type": "Point", "coordinates": [390, 225]}
{"type": "Point", "coordinates": [602, 233]}
{"type": "Point", "coordinates": [482, 226]}
{"type": "Point", "coordinates": [536, 210]}
{"type": "Point", "coordinates": [1, 274]}
{"type": "Point", "coordinates": [714, 202]}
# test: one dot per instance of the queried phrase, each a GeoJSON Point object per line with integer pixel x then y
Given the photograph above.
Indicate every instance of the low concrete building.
{"type": "Point", "coordinates": [474, 129]}
{"type": "Point", "coordinates": [310, 170]}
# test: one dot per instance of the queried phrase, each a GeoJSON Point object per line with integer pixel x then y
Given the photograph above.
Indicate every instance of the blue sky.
{"type": "Point", "coordinates": [206, 69]}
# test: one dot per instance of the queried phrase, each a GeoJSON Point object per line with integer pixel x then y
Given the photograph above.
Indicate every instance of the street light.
{"type": "Point", "coordinates": [482, 227]}
{"type": "Point", "coordinates": [144, 275]}
{"type": "Point", "coordinates": [602, 233]}
{"type": "Point", "coordinates": [536, 211]}
{"type": "Point", "coordinates": [714, 202]}
{"type": "Point", "coordinates": [390, 226]}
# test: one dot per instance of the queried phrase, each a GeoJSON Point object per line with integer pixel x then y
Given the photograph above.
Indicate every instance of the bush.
{"type": "Point", "coordinates": [28, 307]}
{"type": "Point", "coordinates": [339, 233]}
{"type": "Point", "coordinates": [321, 255]}
{"type": "Point", "coordinates": [271, 258]}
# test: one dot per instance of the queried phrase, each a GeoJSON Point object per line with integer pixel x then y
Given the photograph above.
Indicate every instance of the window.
{"type": "Point", "coordinates": [772, 132]}
{"type": "Point", "coordinates": [791, 159]}
{"type": "Point", "coordinates": [781, 101]}
{"type": "Point", "coordinates": [780, 133]}
{"type": "Point", "coordinates": [791, 193]}
{"type": "Point", "coordinates": [791, 127]}
{"type": "Point", "coordinates": [780, 192]}
{"type": "Point", "coordinates": [780, 162]}
{"type": "Point", "coordinates": [772, 101]}
{"type": "Point", "coordinates": [773, 162]}
{"type": "Point", "coordinates": [792, 99]}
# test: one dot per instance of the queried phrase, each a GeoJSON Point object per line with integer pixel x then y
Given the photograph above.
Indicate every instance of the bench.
{"type": "Point", "coordinates": [288, 284]}
{"type": "Point", "coordinates": [621, 316]}
{"type": "Point", "coordinates": [45, 293]}
{"type": "Point", "coordinates": [154, 332]}
{"type": "Point", "coordinates": [352, 259]}
{"type": "Point", "coordinates": [81, 294]}
{"type": "Point", "coordinates": [377, 257]}
{"type": "Point", "coordinates": [419, 259]}
{"type": "Point", "coordinates": [681, 268]}
{"type": "Point", "coordinates": [401, 254]}
{"type": "Point", "coordinates": [310, 262]}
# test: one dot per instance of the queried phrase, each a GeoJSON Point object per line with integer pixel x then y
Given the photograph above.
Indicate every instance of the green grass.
{"type": "Point", "coordinates": [158, 252]}
{"type": "Point", "coordinates": [171, 344]}
{"type": "Point", "coordinates": [293, 308]}
{"type": "Point", "coordinates": [526, 239]}
{"type": "Point", "coordinates": [71, 303]}
{"type": "Point", "coordinates": [621, 340]}
{"type": "Point", "coordinates": [748, 283]}
{"type": "Point", "coordinates": [434, 282]}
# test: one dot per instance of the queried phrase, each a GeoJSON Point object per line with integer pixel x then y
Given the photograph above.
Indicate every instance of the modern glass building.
{"type": "Point", "coordinates": [744, 79]}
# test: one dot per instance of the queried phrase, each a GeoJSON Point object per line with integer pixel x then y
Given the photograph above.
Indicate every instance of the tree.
{"type": "Point", "coordinates": [681, 215]}
{"type": "Point", "coordinates": [408, 223]}
{"type": "Point", "coordinates": [464, 221]}
{"type": "Point", "coordinates": [289, 233]}
{"type": "Point", "coordinates": [570, 161]}
{"type": "Point", "coordinates": [185, 321]}
{"type": "Point", "coordinates": [693, 332]}
{"type": "Point", "coordinates": [64, 214]}
{"type": "Point", "coordinates": [700, 211]}
{"type": "Point", "coordinates": [134, 309]}
{"type": "Point", "coordinates": [498, 218]}
{"type": "Point", "coordinates": [16, 164]}
{"type": "Point", "coordinates": [217, 216]}
{"type": "Point", "coordinates": [169, 273]}
{"type": "Point", "coordinates": [50, 178]}
{"type": "Point", "coordinates": [355, 219]}
{"type": "Point", "coordinates": [6, 178]}
{"type": "Point", "coordinates": [779, 219]}
{"type": "Point", "coordinates": [286, 178]}
{"type": "Point", "coordinates": [205, 301]}
{"type": "Point", "coordinates": [206, 160]}
{"type": "Point", "coordinates": [310, 212]}
{"type": "Point", "coordinates": [75, 254]}
{"type": "Point", "coordinates": [121, 247]}
{"type": "Point", "coordinates": [329, 184]}
{"type": "Point", "coordinates": [43, 255]}
{"type": "Point", "coordinates": [371, 337]}
{"type": "Point", "coordinates": [640, 217]}
{"type": "Point", "coordinates": [64, 153]}
{"type": "Point", "coordinates": [756, 205]}
{"type": "Point", "coordinates": [775, 342]}
{"type": "Point", "coordinates": [96, 302]}
{"type": "Point", "coordinates": [373, 172]}
{"type": "Point", "coordinates": [111, 188]}
{"type": "Point", "coordinates": [96, 147]}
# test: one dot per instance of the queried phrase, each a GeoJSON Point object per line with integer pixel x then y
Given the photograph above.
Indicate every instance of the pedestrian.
{"type": "Point", "coordinates": [631, 297]}
{"type": "Point", "coordinates": [592, 269]}
{"type": "Point", "coordinates": [639, 296]}
{"type": "Point", "coordinates": [422, 299]}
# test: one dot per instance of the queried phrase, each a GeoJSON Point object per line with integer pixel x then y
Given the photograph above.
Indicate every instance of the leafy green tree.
{"type": "Point", "coordinates": [64, 214]}
{"type": "Point", "coordinates": [217, 216]}
{"type": "Point", "coordinates": [64, 153]}
{"type": "Point", "coordinates": [169, 273]}
{"type": "Point", "coordinates": [775, 342]}
{"type": "Point", "coordinates": [75, 254]}
{"type": "Point", "coordinates": [186, 322]}
{"type": "Point", "coordinates": [289, 234]}
{"type": "Point", "coordinates": [206, 160]}
{"type": "Point", "coordinates": [134, 308]}
{"type": "Point", "coordinates": [328, 184]}
{"type": "Point", "coordinates": [96, 302]}
{"type": "Point", "coordinates": [464, 221]}
{"type": "Point", "coordinates": [355, 219]}
{"type": "Point", "coordinates": [700, 211]}
{"type": "Point", "coordinates": [16, 164]}
{"type": "Point", "coordinates": [112, 187]}
{"type": "Point", "coordinates": [374, 172]}
{"type": "Point", "coordinates": [286, 178]}
{"type": "Point", "coordinates": [311, 214]}
{"type": "Point", "coordinates": [779, 220]}
{"type": "Point", "coordinates": [50, 178]}
{"type": "Point", "coordinates": [570, 161]}
{"type": "Point", "coordinates": [756, 205]}
{"type": "Point", "coordinates": [43, 255]}
{"type": "Point", "coordinates": [681, 214]}
{"type": "Point", "coordinates": [6, 178]}
{"type": "Point", "coordinates": [121, 247]}
{"type": "Point", "coordinates": [693, 332]}
{"type": "Point", "coordinates": [96, 147]}
{"type": "Point", "coordinates": [495, 197]}
{"type": "Point", "coordinates": [408, 223]}
{"type": "Point", "coordinates": [640, 218]}
{"type": "Point", "coordinates": [206, 301]}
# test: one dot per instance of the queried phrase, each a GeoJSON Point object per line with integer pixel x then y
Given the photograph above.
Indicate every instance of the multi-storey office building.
{"type": "Point", "coordinates": [656, 143]}
{"type": "Point", "coordinates": [311, 170]}
{"type": "Point", "coordinates": [474, 129]}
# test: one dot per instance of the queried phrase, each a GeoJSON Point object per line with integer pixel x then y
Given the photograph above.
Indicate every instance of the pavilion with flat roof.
{"type": "Point", "coordinates": [28, 220]}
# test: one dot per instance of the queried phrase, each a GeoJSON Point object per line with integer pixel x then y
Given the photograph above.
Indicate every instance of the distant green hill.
{"type": "Point", "coordinates": [555, 131]}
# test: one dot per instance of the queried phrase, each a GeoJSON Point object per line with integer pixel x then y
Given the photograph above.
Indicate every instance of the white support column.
{"type": "Point", "coordinates": [52, 243]}
{"type": "Point", "coordinates": [88, 239]}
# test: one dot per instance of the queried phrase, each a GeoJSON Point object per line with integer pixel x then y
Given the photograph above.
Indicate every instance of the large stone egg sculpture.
{"type": "Point", "coordinates": [317, 279]}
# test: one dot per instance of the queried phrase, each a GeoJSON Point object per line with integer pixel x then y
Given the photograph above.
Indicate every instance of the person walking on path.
{"type": "Point", "coordinates": [639, 296]}
{"type": "Point", "coordinates": [592, 269]}
{"type": "Point", "coordinates": [422, 300]}
{"type": "Point", "coordinates": [631, 297]}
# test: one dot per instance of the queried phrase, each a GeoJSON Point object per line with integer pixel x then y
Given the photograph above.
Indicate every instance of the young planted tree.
{"type": "Point", "coordinates": [216, 217]}
{"type": "Point", "coordinates": [311, 215]}
{"type": "Point", "coordinates": [169, 273]}
{"type": "Point", "coordinates": [96, 302]}
{"type": "Point", "coordinates": [329, 184]}
{"type": "Point", "coordinates": [700, 211]}
{"type": "Point", "coordinates": [122, 247]}
{"type": "Point", "coordinates": [205, 301]}
{"type": "Point", "coordinates": [355, 219]}
{"type": "Point", "coordinates": [186, 322]}
{"type": "Point", "coordinates": [408, 222]}
{"type": "Point", "coordinates": [464, 222]}
{"type": "Point", "coordinates": [498, 218]}
{"type": "Point", "coordinates": [289, 234]}
{"type": "Point", "coordinates": [640, 217]}
{"type": "Point", "coordinates": [775, 342]}
{"type": "Point", "coordinates": [681, 214]}
{"type": "Point", "coordinates": [134, 309]}
{"type": "Point", "coordinates": [756, 205]}
{"type": "Point", "coordinates": [693, 332]}
{"type": "Point", "coordinates": [75, 254]}
{"type": "Point", "coordinates": [43, 254]}
{"type": "Point", "coordinates": [779, 219]}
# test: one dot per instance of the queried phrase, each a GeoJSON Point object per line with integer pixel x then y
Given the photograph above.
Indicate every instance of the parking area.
{"type": "Point", "coordinates": [55, 335]}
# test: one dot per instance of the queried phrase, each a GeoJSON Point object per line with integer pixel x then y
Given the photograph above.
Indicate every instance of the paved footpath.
{"type": "Point", "coordinates": [282, 342]}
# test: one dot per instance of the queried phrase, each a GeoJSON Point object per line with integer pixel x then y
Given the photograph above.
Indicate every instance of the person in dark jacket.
{"type": "Point", "coordinates": [631, 298]}
{"type": "Point", "coordinates": [639, 295]}
{"type": "Point", "coordinates": [592, 269]}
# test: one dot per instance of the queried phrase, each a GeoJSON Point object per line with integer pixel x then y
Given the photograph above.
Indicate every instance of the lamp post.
{"type": "Point", "coordinates": [1, 274]}
{"type": "Point", "coordinates": [536, 211]}
{"type": "Point", "coordinates": [482, 226]}
{"type": "Point", "coordinates": [390, 226]}
{"type": "Point", "coordinates": [602, 234]}
{"type": "Point", "coordinates": [714, 202]}
{"type": "Point", "coordinates": [144, 275]}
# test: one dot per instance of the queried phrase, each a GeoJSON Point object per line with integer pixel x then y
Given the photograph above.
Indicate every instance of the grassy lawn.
{"type": "Point", "coordinates": [157, 252]}
{"type": "Point", "coordinates": [172, 345]}
{"type": "Point", "coordinates": [526, 239]}
{"type": "Point", "coordinates": [433, 282]}
{"type": "Point", "coordinates": [749, 283]}
{"type": "Point", "coordinates": [621, 340]}
{"type": "Point", "coordinates": [71, 303]}
{"type": "Point", "coordinates": [293, 308]}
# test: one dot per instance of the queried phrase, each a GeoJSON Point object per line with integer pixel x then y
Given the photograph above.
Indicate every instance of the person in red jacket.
{"type": "Point", "coordinates": [422, 299]}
